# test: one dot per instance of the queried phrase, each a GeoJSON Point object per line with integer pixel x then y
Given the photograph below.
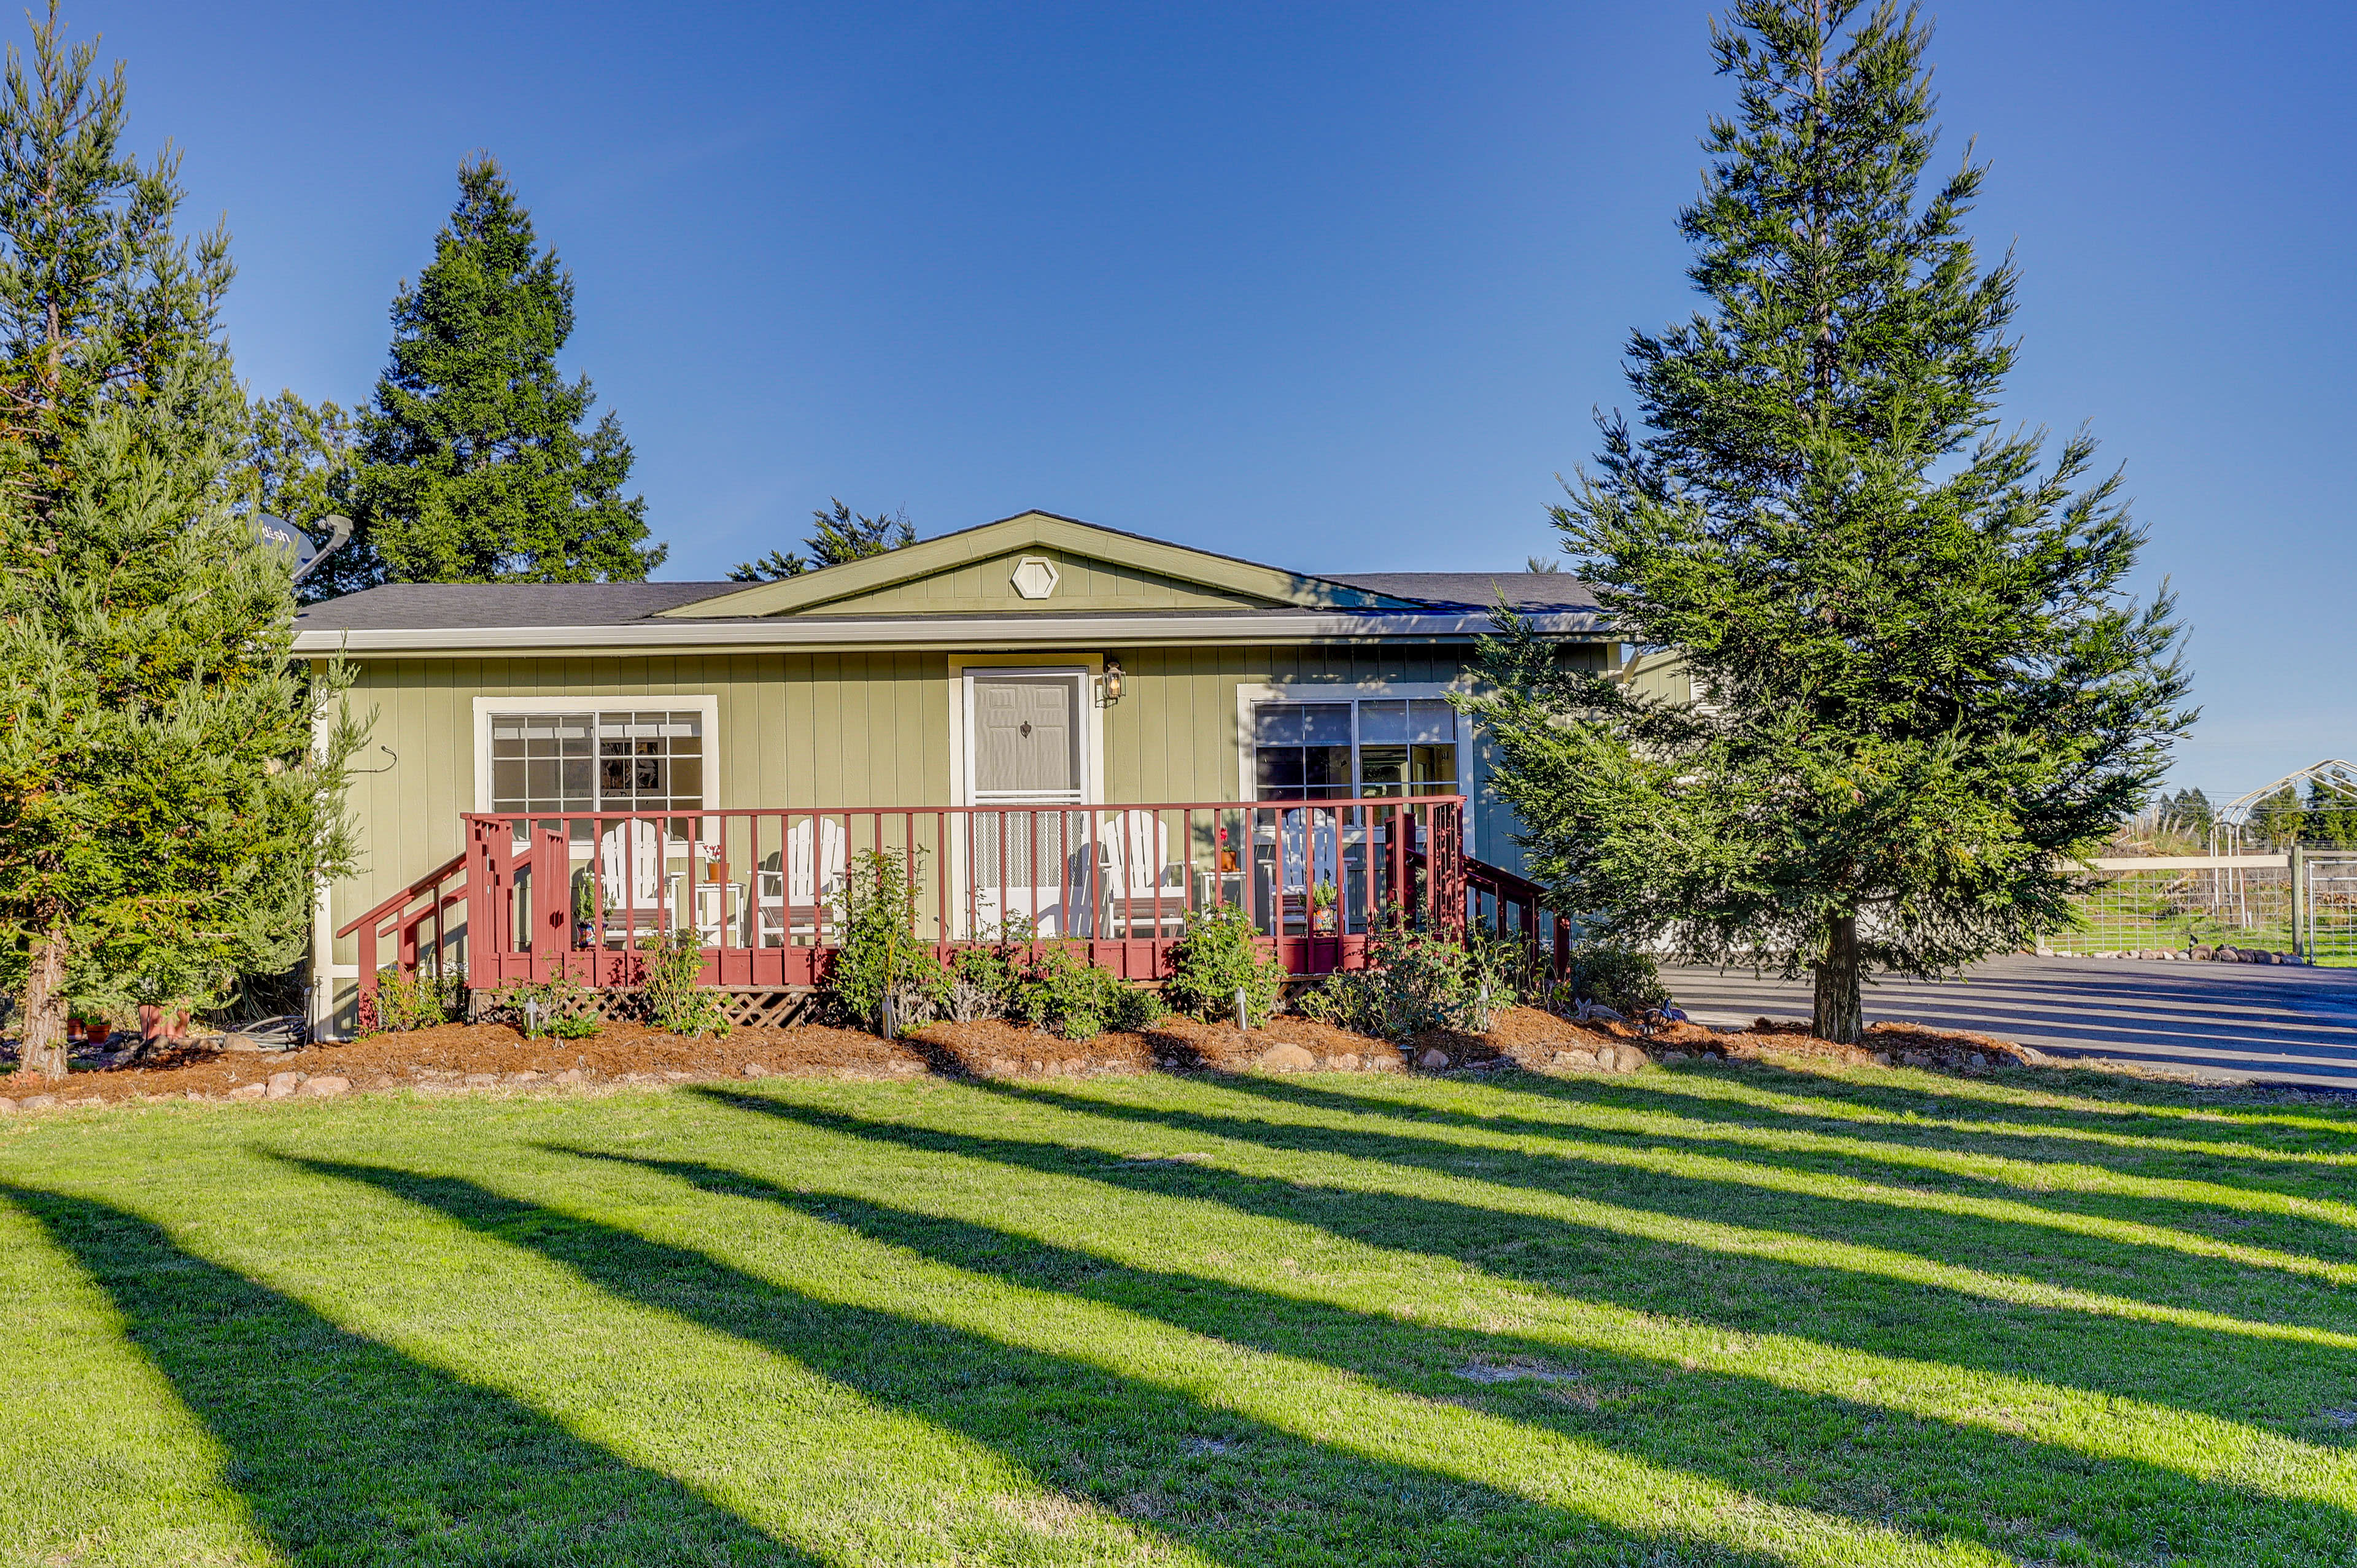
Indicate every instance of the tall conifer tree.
{"type": "Point", "coordinates": [475, 466]}
{"type": "Point", "coordinates": [842, 535]}
{"type": "Point", "coordinates": [163, 809]}
{"type": "Point", "coordinates": [1920, 685]}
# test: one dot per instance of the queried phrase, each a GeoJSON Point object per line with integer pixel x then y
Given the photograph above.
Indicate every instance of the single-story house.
{"type": "Point", "coordinates": [1066, 728]}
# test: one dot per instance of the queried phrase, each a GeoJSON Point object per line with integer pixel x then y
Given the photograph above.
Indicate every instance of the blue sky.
{"type": "Point", "coordinates": [1329, 285]}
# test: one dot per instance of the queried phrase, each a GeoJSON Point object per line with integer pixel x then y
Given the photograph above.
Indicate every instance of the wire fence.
{"type": "Point", "coordinates": [2181, 903]}
{"type": "Point", "coordinates": [2302, 901]}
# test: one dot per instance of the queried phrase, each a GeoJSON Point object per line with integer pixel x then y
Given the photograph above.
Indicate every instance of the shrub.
{"type": "Point", "coordinates": [670, 968]}
{"type": "Point", "coordinates": [1219, 955]}
{"type": "Point", "coordinates": [1078, 1000]}
{"type": "Point", "coordinates": [1624, 980]}
{"type": "Point", "coordinates": [565, 1007]}
{"type": "Point", "coordinates": [878, 954]}
{"type": "Point", "coordinates": [1413, 982]}
{"type": "Point", "coordinates": [670, 965]}
{"type": "Point", "coordinates": [984, 982]}
{"type": "Point", "coordinates": [417, 1001]}
{"type": "Point", "coordinates": [1503, 966]}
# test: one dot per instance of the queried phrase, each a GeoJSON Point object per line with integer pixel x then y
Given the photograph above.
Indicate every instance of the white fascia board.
{"type": "Point", "coordinates": [958, 632]}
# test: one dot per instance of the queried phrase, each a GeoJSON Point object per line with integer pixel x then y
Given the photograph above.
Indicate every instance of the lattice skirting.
{"type": "Point", "coordinates": [765, 1008]}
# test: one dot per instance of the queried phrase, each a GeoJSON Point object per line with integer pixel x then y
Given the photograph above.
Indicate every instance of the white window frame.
{"type": "Point", "coordinates": [1091, 739]}
{"type": "Point", "coordinates": [1250, 695]}
{"type": "Point", "coordinates": [706, 705]}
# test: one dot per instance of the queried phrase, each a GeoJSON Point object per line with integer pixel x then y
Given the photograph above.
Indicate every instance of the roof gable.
{"type": "Point", "coordinates": [976, 570]}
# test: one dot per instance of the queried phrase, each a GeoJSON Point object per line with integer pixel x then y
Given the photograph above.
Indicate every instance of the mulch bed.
{"type": "Point", "coordinates": [455, 1056]}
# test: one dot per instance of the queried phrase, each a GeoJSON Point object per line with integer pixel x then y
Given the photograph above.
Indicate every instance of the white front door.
{"type": "Point", "coordinates": [1026, 750]}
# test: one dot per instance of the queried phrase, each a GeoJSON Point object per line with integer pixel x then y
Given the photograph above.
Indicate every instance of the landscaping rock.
{"type": "Point", "coordinates": [40, 1102]}
{"type": "Point", "coordinates": [1576, 1058]}
{"type": "Point", "coordinates": [572, 1075]}
{"type": "Point", "coordinates": [1882, 1058]}
{"type": "Point", "coordinates": [249, 1091]}
{"type": "Point", "coordinates": [1673, 1056]}
{"type": "Point", "coordinates": [526, 1077]}
{"type": "Point", "coordinates": [324, 1087]}
{"type": "Point", "coordinates": [282, 1084]}
{"type": "Point", "coordinates": [1434, 1060]}
{"type": "Point", "coordinates": [7, 1106]}
{"type": "Point", "coordinates": [1347, 1062]}
{"type": "Point", "coordinates": [756, 1070]}
{"type": "Point", "coordinates": [481, 1079]}
{"type": "Point", "coordinates": [678, 1076]}
{"type": "Point", "coordinates": [1286, 1056]}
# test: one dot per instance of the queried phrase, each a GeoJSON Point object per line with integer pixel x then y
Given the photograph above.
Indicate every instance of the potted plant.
{"type": "Point", "coordinates": [1322, 910]}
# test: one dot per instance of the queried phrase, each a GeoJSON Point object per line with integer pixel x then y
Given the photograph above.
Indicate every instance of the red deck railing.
{"type": "Point", "coordinates": [404, 919]}
{"type": "Point", "coordinates": [763, 889]}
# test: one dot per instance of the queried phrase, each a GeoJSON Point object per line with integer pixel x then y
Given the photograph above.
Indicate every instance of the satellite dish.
{"type": "Point", "coordinates": [277, 533]}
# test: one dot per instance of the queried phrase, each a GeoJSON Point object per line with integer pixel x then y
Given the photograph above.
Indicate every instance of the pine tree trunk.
{"type": "Point", "coordinates": [43, 1045]}
{"type": "Point", "coordinates": [1840, 1010]}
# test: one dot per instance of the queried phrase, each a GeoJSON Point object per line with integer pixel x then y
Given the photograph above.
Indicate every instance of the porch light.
{"type": "Point", "coordinates": [1113, 681]}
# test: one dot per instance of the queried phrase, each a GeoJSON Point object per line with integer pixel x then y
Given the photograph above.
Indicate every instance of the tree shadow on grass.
{"type": "Point", "coordinates": [2242, 1155]}
{"type": "Point", "coordinates": [2238, 1378]}
{"type": "Point", "coordinates": [346, 1452]}
{"type": "Point", "coordinates": [2094, 1103]}
{"type": "Point", "coordinates": [2050, 1255]}
{"type": "Point", "coordinates": [2313, 1236]}
{"type": "Point", "coordinates": [1226, 1485]}
{"type": "Point", "coordinates": [1840, 1454]}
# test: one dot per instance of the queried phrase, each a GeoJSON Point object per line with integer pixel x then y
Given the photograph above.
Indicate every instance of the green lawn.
{"type": "Point", "coordinates": [1712, 1314]}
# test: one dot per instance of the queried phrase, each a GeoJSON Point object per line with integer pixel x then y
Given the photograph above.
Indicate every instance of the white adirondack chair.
{"type": "Point", "coordinates": [1145, 889]}
{"type": "Point", "coordinates": [790, 900]}
{"type": "Point", "coordinates": [632, 880]}
{"type": "Point", "coordinates": [1311, 857]}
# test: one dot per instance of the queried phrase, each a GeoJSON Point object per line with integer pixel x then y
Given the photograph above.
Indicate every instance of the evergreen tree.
{"type": "Point", "coordinates": [2278, 819]}
{"type": "Point", "coordinates": [164, 809]}
{"type": "Point", "coordinates": [1546, 565]}
{"type": "Point", "coordinates": [842, 535]}
{"type": "Point", "coordinates": [1923, 685]}
{"type": "Point", "coordinates": [474, 464]}
{"type": "Point", "coordinates": [2189, 813]}
{"type": "Point", "coordinates": [300, 462]}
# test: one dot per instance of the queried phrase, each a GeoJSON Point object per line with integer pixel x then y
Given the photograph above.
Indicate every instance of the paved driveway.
{"type": "Point", "coordinates": [2219, 1020]}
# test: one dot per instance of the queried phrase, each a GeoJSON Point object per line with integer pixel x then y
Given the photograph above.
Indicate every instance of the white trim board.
{"type": "Point", "coordinates": [1247, 693]}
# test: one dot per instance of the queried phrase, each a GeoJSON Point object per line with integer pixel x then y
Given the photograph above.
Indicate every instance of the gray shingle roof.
{"type": "Point", "coordinates": [1460, 591]}
{"type": "Point", "coordinates": [427, 606]}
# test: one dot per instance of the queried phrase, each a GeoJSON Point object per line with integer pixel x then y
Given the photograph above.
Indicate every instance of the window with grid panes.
{"type": "Point", "coordinates": [604, 761]}
{"type": "Point", "coordinates": [1365, 749]}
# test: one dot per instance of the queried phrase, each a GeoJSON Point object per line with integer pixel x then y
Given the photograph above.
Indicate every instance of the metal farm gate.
{"type": "Point", "coordinates": [2303, 901]}
{"type": "Point", "coordinates": [2327, 904]}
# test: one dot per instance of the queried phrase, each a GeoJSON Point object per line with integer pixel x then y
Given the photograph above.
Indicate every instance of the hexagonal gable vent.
{"type": "Point", "coordinates": [1036, 577]}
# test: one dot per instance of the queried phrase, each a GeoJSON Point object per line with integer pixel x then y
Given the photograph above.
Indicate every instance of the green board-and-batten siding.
{"type": "Point", "coordinates": [831, 730]}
